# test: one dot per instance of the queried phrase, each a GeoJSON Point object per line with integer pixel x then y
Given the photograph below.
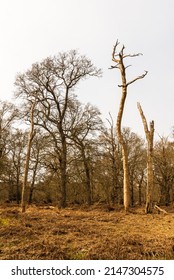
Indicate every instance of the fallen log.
{"type": "Point", "coordinates": [160, 209]}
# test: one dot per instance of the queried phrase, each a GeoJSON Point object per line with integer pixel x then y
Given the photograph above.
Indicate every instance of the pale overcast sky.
{"type": "Point", "coordinates": [31, 30]}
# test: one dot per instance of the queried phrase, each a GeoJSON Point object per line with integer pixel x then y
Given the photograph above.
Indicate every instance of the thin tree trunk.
{"type": "Point", "coordinates": [30, 139]}
{"type": "Point", "coordinates": [87, 179]}
{"type": "Point", "coordinates": [150, 178]}
{"type": "Point", "coordinates": [30, 200]}
{"type": "Point", "coordinates": [132, 191]}
{"type": "Point", "coordinates": [139, 189]}
{"type": "Point", "coordinates": [115, 187]}
{"type": "Point", "coordinates": [63, 173]}
{"type": "Point", "coordinates": [33, 180]}
{"type": "Point", "coordinates": [150, 182]}
{"type": "Point", "coordinates": [126, 190]}
{"type": "Point", "coordinates": [165, 193]}
{"type": "Point", "coordinates": [18, 190]}
{"type": "Point", "coordinates": [115, 191]}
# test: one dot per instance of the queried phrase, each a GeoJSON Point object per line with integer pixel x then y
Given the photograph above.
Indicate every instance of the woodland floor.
{"type": "Point", "coordinates": [89, 233]}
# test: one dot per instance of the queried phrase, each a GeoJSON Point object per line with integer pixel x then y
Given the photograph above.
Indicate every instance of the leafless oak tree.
{"type": "Point", "coordinates": [52, 83]}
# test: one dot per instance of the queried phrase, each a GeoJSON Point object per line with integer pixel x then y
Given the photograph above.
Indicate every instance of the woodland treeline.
{"type": "Point", "coordinates": [56, 150]}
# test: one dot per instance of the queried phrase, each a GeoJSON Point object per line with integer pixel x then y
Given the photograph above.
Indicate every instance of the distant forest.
{"type": "Point", "coordinates": [56, 150]}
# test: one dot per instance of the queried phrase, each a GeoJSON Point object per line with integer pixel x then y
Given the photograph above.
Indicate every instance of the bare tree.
{"type": "Point", "coordinates": [118, 58]}
{"type": "Point", "coordinates": [113, 148]}
{"type": "Point", "coordinates": [8, 114]}
{"type": "Point", "coordinates": [86, 122]}
{"type": "Point", "coordinates": [136, 156]}
{"type": "Point", "coordinates": [164, 169]}
{"type": "Point", "coordinates": [149, 132]}
{"type": "Point", "coordinates": [17, 148]}
{"type": "Point", "coordinates": [38, 155]}
{"type": "Point", "coordinates": [52, 83]}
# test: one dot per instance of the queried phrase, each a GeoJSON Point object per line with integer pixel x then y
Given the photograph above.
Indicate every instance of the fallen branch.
{"type": "Point", "coordinates": [160, 210]}
{"type": "Point", "coordinates": [47, 207]}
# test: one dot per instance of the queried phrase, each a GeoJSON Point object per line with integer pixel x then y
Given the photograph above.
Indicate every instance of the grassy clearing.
{"type": "Point", "coordinates": [84, 234]}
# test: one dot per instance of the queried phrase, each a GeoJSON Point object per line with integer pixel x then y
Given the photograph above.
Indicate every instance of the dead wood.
{"type": "Point", "coordinates": [160, 209]}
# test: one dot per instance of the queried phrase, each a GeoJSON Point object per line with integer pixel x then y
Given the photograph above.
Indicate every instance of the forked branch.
{"type": "Point", "coordinates": [132, 55]}
{"type": "Point", "coordinates": [114, 55]}
{"type": "Point", "coordinates": [118, 59]}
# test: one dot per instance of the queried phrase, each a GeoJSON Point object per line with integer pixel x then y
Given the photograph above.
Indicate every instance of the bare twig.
{"type": "Point", "coordinates": [114, 55]}
{"type": "Point", "coordinates": [132, 55]}
{"type": "Point", "coordinates": [118, 59]}
{"type": "Point", "coordinates": [115, 66]}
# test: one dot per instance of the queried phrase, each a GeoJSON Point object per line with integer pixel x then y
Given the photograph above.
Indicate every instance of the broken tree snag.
{"type": "Point", "coordinates": [118, 59]}
{"type": "Point", "coordinates": [160, 209]}
{"type": "Point", "coordinates": [149, 132]}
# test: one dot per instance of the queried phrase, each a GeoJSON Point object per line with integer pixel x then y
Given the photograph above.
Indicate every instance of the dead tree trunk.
{"type": "Point", "coordinates": [118, 58]}
{"type": "Point", "coordinates": [30, 139]}
{"type": "Point", "coordinates": [140, 188]}
{"type": "Point", "coordinates": [150, 180]}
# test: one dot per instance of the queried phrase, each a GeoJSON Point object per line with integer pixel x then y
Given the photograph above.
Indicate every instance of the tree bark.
{"type": "Point", "coordinates": [150, 178]}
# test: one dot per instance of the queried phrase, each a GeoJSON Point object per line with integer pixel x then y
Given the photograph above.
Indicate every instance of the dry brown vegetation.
{"type": "Point", "coordinates": [88, 233]}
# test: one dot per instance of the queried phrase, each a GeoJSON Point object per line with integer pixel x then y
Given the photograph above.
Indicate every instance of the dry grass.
{"type": "Point", "coordinates": [84, 234]}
